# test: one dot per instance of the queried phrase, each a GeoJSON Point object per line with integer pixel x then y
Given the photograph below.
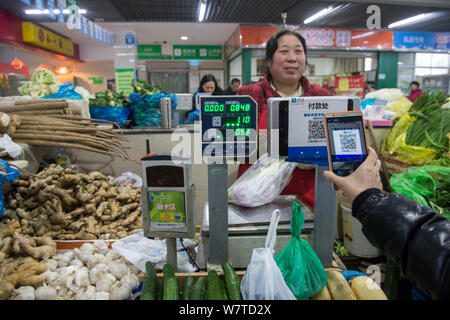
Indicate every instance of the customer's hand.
{"type": "Point", "coordinates": [365, 177]}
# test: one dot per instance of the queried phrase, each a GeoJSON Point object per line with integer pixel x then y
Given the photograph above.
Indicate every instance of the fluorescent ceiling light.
{"type": "Point", "coordinates": [55, 11]}
{"type": "Point", "coordinates": [408, 20]}
{"type": "Point", "coordinates": [201, 14]}
{"type": "Point", "coordinates": [320, 14]}
{"type": "Point", "coordinates": [184, 38]}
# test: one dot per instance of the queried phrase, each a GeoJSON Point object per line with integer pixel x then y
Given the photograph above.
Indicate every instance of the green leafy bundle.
{"type": "Point", "coordinates": [431, 124]}
{"type": "Point", "coordinates": [108, 99]}
{"type": "Point", "coordinates": [143, 88]}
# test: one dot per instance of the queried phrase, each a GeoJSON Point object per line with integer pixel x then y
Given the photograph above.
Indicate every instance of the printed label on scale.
{"type": "Point", "coordinates": [306, 125]}
{"type": "Point", "coordinates": [166, 209]}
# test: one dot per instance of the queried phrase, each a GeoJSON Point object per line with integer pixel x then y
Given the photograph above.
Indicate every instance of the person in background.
{"type": "Point", "coordinates": [286, 63]}
{"type": "Point", "coordinates": [233, 88]}
{"type": "Point", "coordinates": [415, 237]}
{"type": "Point", "coordinates": [366, 89]}
{"type": "Point", "coordinates": [415, 91]}
{"type": "Point", "coordinates": [208, 84]}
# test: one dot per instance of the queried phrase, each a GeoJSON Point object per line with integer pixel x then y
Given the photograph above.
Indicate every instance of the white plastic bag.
{"type": "Point", "coordinates": [263, 279]}
{"type": "Point", "coordinates": [138, 250]}
{"type": "Point", "coordinates": [262, 182]}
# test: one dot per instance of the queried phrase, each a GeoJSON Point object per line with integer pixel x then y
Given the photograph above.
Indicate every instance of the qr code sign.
{"type": "Point", "coordinates": [316, 129]}
{"type": "Point", "coordinates": [348, 142]}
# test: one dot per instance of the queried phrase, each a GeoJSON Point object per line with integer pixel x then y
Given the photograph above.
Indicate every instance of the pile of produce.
{"type": "Point", "coordinates": [42, 123]}
{"type": "Point", "coordinates": [211, 287]}
{"type": "Point", "coordinates": [143, 88]}
{"type": "Point", "coordinates": [43, 82]}
{"type": "Point", "coordinates": [358, 288]}
{"type": "Point", "coordinates": [422, 135]}
{"type": "Point", "coordinates": [20, 257]}
{"type": "Point", "coordinates": [62, 204]}
{"type": "Point", "coordinates": [431, 124]}
{"type": "Point", "coordinates": [108, 99]}
{"type": "Point", "coordinates": [92, 272]}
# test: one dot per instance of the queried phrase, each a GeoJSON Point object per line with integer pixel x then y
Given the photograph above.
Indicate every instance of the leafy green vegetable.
{"type": "Point", "coordinates": [108, 99]}
{"type": "Point", "coordinates": [431, 124]}
{"type": "Point", "coordinates": [43, 82]}
{"type": "Point", "coordinates": [143, 87]}
{"type": "Point", "coordinates": [340, 249]}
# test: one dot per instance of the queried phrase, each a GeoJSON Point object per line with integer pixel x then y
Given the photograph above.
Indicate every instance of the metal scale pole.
{"type": "Point", "coordinates": [218, 213]}
{"type": "Point", "coordinates": [324, 217]}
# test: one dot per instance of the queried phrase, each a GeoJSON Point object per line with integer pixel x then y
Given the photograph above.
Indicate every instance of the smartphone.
{"type": "Point", "coordinates": [346, 141]}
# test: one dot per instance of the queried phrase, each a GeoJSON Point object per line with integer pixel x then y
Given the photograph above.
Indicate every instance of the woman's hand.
{"type": "Point", "coordinates": [365, 177]}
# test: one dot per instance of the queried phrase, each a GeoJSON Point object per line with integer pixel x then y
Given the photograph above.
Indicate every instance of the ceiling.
{"type": "Point", "coordinates": [157, 32]}
{"type": "Point", "coordinates": [351, 14]}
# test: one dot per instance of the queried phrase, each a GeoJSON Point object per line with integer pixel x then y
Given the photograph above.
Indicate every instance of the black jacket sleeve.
{"type": "Point", "coordinates": [414, 236]}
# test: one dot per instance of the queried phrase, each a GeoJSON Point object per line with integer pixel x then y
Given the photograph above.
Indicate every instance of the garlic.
{"type": "Point", "coordinates": [120, 291]}
{"type": "Point", "coordinates": [87, 248]}
{"type": "Point", "coordinates": [49, 276]}
{"type": "Point", "coordinates": [105, 282]}
{"type": "Point", "coordinates": [64, 259]}
{"type": "Point", "coordinates": [76, 262]}
{"type": "Point", "coordinates": [118, 269]}
{"type": "Point", "coordinates": [82, 277]}
{"type": "Point", "coordinates": [23, 293]}
{"type": "Point", "coordinates": [52, 264]}
{"type": "Point", "coordinates": [101, 295]}
{"type": "Point", "coordinates": [97, 271]}
{"type": "Point", "coordinates": [131, 279]}
{"type": "Point", "coordinates": [45, 293]}
{"type": "Point", "coordinates": [62, 292]}
{"type": "Point", "coordinates": [135, 270]}
{"type": "Point", "coordinates": [101, 258]}
{"type": "Point", "coordinates": [113, 254]}
{"type": "Point", "coordinates": [101, 246]}
{"type": "Point", "coordinates": [83, 257]}
{"type": "Point", "coordinates": [92, 261]}
{"type": "Point", "coordinates": [88, 294]}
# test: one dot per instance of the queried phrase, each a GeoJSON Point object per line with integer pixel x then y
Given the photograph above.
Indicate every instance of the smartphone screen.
{"type": "Point", "coordinates": [346, 141]}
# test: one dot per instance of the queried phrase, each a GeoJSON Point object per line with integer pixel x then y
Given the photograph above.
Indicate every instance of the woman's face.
{"type": "Point", "coordinates": [209, 87]}
{"type": "Point", "coordinates": [289, 61]}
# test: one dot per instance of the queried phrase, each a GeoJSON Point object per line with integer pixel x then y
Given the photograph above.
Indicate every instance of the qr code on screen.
{"type": "Point", "coordinates": [348, 142]}
{"type": "Point", "coordinates": [316, 129]}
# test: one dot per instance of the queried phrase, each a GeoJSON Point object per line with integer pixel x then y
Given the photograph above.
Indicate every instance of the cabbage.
{"type": "Point", "coordinates": [43, 82]}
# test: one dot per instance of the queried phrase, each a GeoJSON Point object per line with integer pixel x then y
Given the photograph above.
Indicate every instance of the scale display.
{"type": "Point", "coordinates": [229, 125]}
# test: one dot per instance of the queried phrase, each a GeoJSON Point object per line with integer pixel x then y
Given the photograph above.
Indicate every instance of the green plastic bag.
{"type": "Point", "coordinates": [301, 268]}
{"type": "Point", "coordinates": [428, 185]}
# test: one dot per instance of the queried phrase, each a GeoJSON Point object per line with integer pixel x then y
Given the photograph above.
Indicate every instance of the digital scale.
{"type": "Point", "coordinates": [167, 199]}
{"type": "Point", "coordinates": [228, 133]}
{"type": "Point", "coordinates": [295, 127]}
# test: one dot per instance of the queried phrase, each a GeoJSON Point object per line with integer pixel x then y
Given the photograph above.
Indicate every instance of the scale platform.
{"type": "Point", "coordinates": [247, 229]}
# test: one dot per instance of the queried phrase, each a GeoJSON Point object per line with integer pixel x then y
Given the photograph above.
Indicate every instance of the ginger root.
{"type": "Point", "coordinates": [38, 248]}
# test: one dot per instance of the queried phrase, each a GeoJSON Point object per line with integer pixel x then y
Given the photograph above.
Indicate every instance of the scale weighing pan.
{"type": "Point", "coordinates": [244, 220]}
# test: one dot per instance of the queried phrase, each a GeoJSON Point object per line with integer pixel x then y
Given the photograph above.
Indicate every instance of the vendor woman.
{"type": "Point", "coordinates": [286, 62]}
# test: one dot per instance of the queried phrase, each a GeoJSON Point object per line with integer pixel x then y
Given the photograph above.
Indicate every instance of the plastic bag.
{"type": "Point", "coordinates": [128, 178]}
{"type": "Point", "coordinates": [400, 106]}
{"type": "Point", "coordinates": [138, 250]}
{"type": "Point", "coordinates": [394, 143]}
{"type": "Point", "coordinates": [117, 114]}
{"type": "Point", "coordinates": [262, 182]}
{"type": "Point", "coordinates": [6, 174]}
{"type": "Point", "coordinates": [147, 109]}
{"type": "Point", "coordinates": [263, 279]}
{"type": "Point", "coordinates": [299, 264]}
{"type": "Point", "coordinates": [9, 146]}
{"type": "Point", "coordinates": [428, 185]}
{"type": "Point", "coordinates": [66, 91]}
